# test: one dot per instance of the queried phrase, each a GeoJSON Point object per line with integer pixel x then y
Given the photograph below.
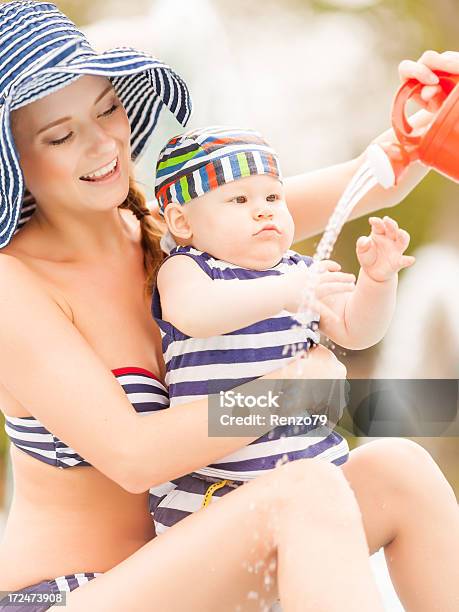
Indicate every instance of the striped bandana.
{"type": "Point", "coordinates": [199, 161]}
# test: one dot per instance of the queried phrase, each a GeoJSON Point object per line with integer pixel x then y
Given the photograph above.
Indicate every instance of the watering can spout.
{"type": "Point", "coordinates": [389, 160]}
{"type": "Point", "coordinates": [435, 145]}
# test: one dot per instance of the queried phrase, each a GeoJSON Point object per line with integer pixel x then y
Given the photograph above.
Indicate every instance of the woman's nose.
{"type": "Point", "coordinates": [101, 142]}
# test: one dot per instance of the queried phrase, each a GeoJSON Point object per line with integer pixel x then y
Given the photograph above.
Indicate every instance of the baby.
{"type": "Point", "coordinates": [226, 293]}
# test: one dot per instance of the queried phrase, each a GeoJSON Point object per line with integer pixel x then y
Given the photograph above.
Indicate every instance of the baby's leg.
{"type": "Point", "coordinates": [409, 508]}
{"type": "Point", "coordinates": [174, 501]}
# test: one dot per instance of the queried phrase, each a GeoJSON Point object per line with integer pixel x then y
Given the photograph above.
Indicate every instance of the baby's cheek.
{"type": "Point", "coordinates": [289, 227]}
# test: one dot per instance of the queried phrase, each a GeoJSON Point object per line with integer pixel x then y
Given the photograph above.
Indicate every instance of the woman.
{"type": "Point", "coordinates": [73, 307]}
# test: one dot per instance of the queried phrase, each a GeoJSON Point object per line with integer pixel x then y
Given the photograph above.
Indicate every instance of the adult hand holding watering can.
{"type": "Point", "coordinates": [435, 144]}
{"type": "Point", "coordinates": [423, 70]}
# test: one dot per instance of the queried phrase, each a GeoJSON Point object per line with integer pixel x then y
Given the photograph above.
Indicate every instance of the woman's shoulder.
{"type": "Point", "coordinates": [19, 274]}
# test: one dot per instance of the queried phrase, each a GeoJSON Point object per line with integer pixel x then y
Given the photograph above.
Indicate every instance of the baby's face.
{"type": "Point", "coordinates": [245, 222]}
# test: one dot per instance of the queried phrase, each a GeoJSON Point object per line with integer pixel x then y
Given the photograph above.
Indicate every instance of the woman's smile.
{"type": "Point", "coordinates": [108, 173]}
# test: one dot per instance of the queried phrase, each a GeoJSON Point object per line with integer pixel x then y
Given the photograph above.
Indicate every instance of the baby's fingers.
{"type": "Point", "coordinates": [335, 277]}
{"type": "Point", "coordinates": [366, 251]}
{"type": "Point", "coordinates": [377, 225]}
{"type": "Point", "coordinates": [403, 239]}
{"type": "Point", "coordinates": [363, 244]}
{"type": "Point", "coordinates": [391, 227]}
{"type": "Point", "coordinates": [327, 265]}
{"type": "Point", "coordinates": [406, 261]}
{"type": "Point", "coordinates": [326, 289]}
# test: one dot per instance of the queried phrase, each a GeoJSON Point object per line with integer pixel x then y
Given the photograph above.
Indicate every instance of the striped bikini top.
{"type": "Point", "coordinates": [145, 392]}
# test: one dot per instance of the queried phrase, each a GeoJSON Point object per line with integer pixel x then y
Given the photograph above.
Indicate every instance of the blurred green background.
{"type": "Point", "coordinates": [317, 78]}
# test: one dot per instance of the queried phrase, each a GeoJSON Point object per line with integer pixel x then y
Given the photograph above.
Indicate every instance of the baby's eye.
{"type": "Point", "coordinates": [111, 110]}
{"type": "Point", "coordinates": [239, 199]}
{"type": "Point", "coordinates": [59, 141]}
{"type": "Point", "coordinates": [273, 197]}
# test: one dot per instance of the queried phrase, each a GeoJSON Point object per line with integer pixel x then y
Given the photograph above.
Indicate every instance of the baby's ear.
{"type": "Point", "coordinates": [177, 221]}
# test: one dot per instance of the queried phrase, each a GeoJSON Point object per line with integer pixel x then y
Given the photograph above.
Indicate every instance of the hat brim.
{"type": "Point", "coordinates": [144, 86]}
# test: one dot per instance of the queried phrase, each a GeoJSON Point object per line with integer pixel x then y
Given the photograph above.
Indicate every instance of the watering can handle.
{"type": "Point", "coordinates": [402, 128]}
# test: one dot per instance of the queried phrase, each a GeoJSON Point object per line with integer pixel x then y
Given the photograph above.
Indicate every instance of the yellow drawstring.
{"type": "Point", "coordinates": [211, 489]}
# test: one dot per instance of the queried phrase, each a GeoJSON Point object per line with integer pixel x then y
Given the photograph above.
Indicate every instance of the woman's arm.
{"type": "Point", "coordinates": [312, 197]}
{"type": "Point", "coordinates": [50, 369]}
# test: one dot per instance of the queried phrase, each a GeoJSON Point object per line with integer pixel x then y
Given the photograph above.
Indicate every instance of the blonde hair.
{"type": "Point", "coordinates": [151, 233]}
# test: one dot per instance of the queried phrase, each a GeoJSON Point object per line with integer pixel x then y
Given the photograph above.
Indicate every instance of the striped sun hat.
{"type": "Point", "coordinates": [201, 160]}
{"type": "Point", "coordinates": [41, 51]}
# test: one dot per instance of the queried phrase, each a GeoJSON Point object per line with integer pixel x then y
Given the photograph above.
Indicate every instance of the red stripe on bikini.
{"type": "Point", "coordinates": [134, 370]}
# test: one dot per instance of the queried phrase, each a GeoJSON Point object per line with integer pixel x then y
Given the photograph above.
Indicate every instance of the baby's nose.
{"type": "Point", "coordinates": [264, 213]}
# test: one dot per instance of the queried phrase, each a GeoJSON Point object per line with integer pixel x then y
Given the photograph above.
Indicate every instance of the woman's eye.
{"type": "Point", "coordinates": [59, 141]}
{"type": "Point", "coordinates": [239, 200]}
{"type": "Point", "coordinates": [111, 110]}
{"type": "Point", "coordinates": [273, 197]}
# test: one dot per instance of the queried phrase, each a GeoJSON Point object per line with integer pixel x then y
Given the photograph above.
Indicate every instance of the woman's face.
{"type": "Point", "coordinates": [74, 147]}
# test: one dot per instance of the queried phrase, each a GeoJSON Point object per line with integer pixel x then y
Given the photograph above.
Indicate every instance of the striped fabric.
{"type": "Point", "coordinates": [236, 358]}
{"type": "Point", "coordinates": [41, 51]}
{"type": "Point", "coordinates": [196, 162]}
{"type": "Point", "coordinates": [65, 583]}
{"type": "Point", "coordinates": [145, 392]}
{"type": "Point", "coordinates": [178, 498]}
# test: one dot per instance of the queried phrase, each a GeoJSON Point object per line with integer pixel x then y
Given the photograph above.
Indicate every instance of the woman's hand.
{"type": "Point", "coordinates": [322, 389]}
{"type": "Point", "coordinates": [381, 253]}
{"type": "Point", "coordinates": [306, 287]}
{"type": "Point", "coordinates": [318, 362]}
{"type": "Point", "coordinates": [431, 96]}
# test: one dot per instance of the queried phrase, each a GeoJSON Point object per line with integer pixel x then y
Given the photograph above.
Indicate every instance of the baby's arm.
{"type": "Point", "coordinates": [201, 307]}
{"type": "Point", "coordinates": [365, 314]}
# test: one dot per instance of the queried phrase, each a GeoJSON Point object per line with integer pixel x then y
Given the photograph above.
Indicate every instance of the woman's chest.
{"type": "Point", "coordinates": [113, 312]}
{"type": "Point", "coordinates": [108, 305]}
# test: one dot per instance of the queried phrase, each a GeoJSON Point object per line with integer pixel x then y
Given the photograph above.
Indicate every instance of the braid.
{"type": "Point", "coordinates": [151, 233]}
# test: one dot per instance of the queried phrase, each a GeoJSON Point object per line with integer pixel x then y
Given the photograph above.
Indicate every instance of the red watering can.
{"type": "Point", "coordinates": [436, 146]}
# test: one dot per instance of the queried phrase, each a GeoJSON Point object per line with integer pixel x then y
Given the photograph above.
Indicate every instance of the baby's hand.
{"type": "Point", "coordinates": [305, 288]}
{"type": "Point", "coordinates": [381, 253]}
